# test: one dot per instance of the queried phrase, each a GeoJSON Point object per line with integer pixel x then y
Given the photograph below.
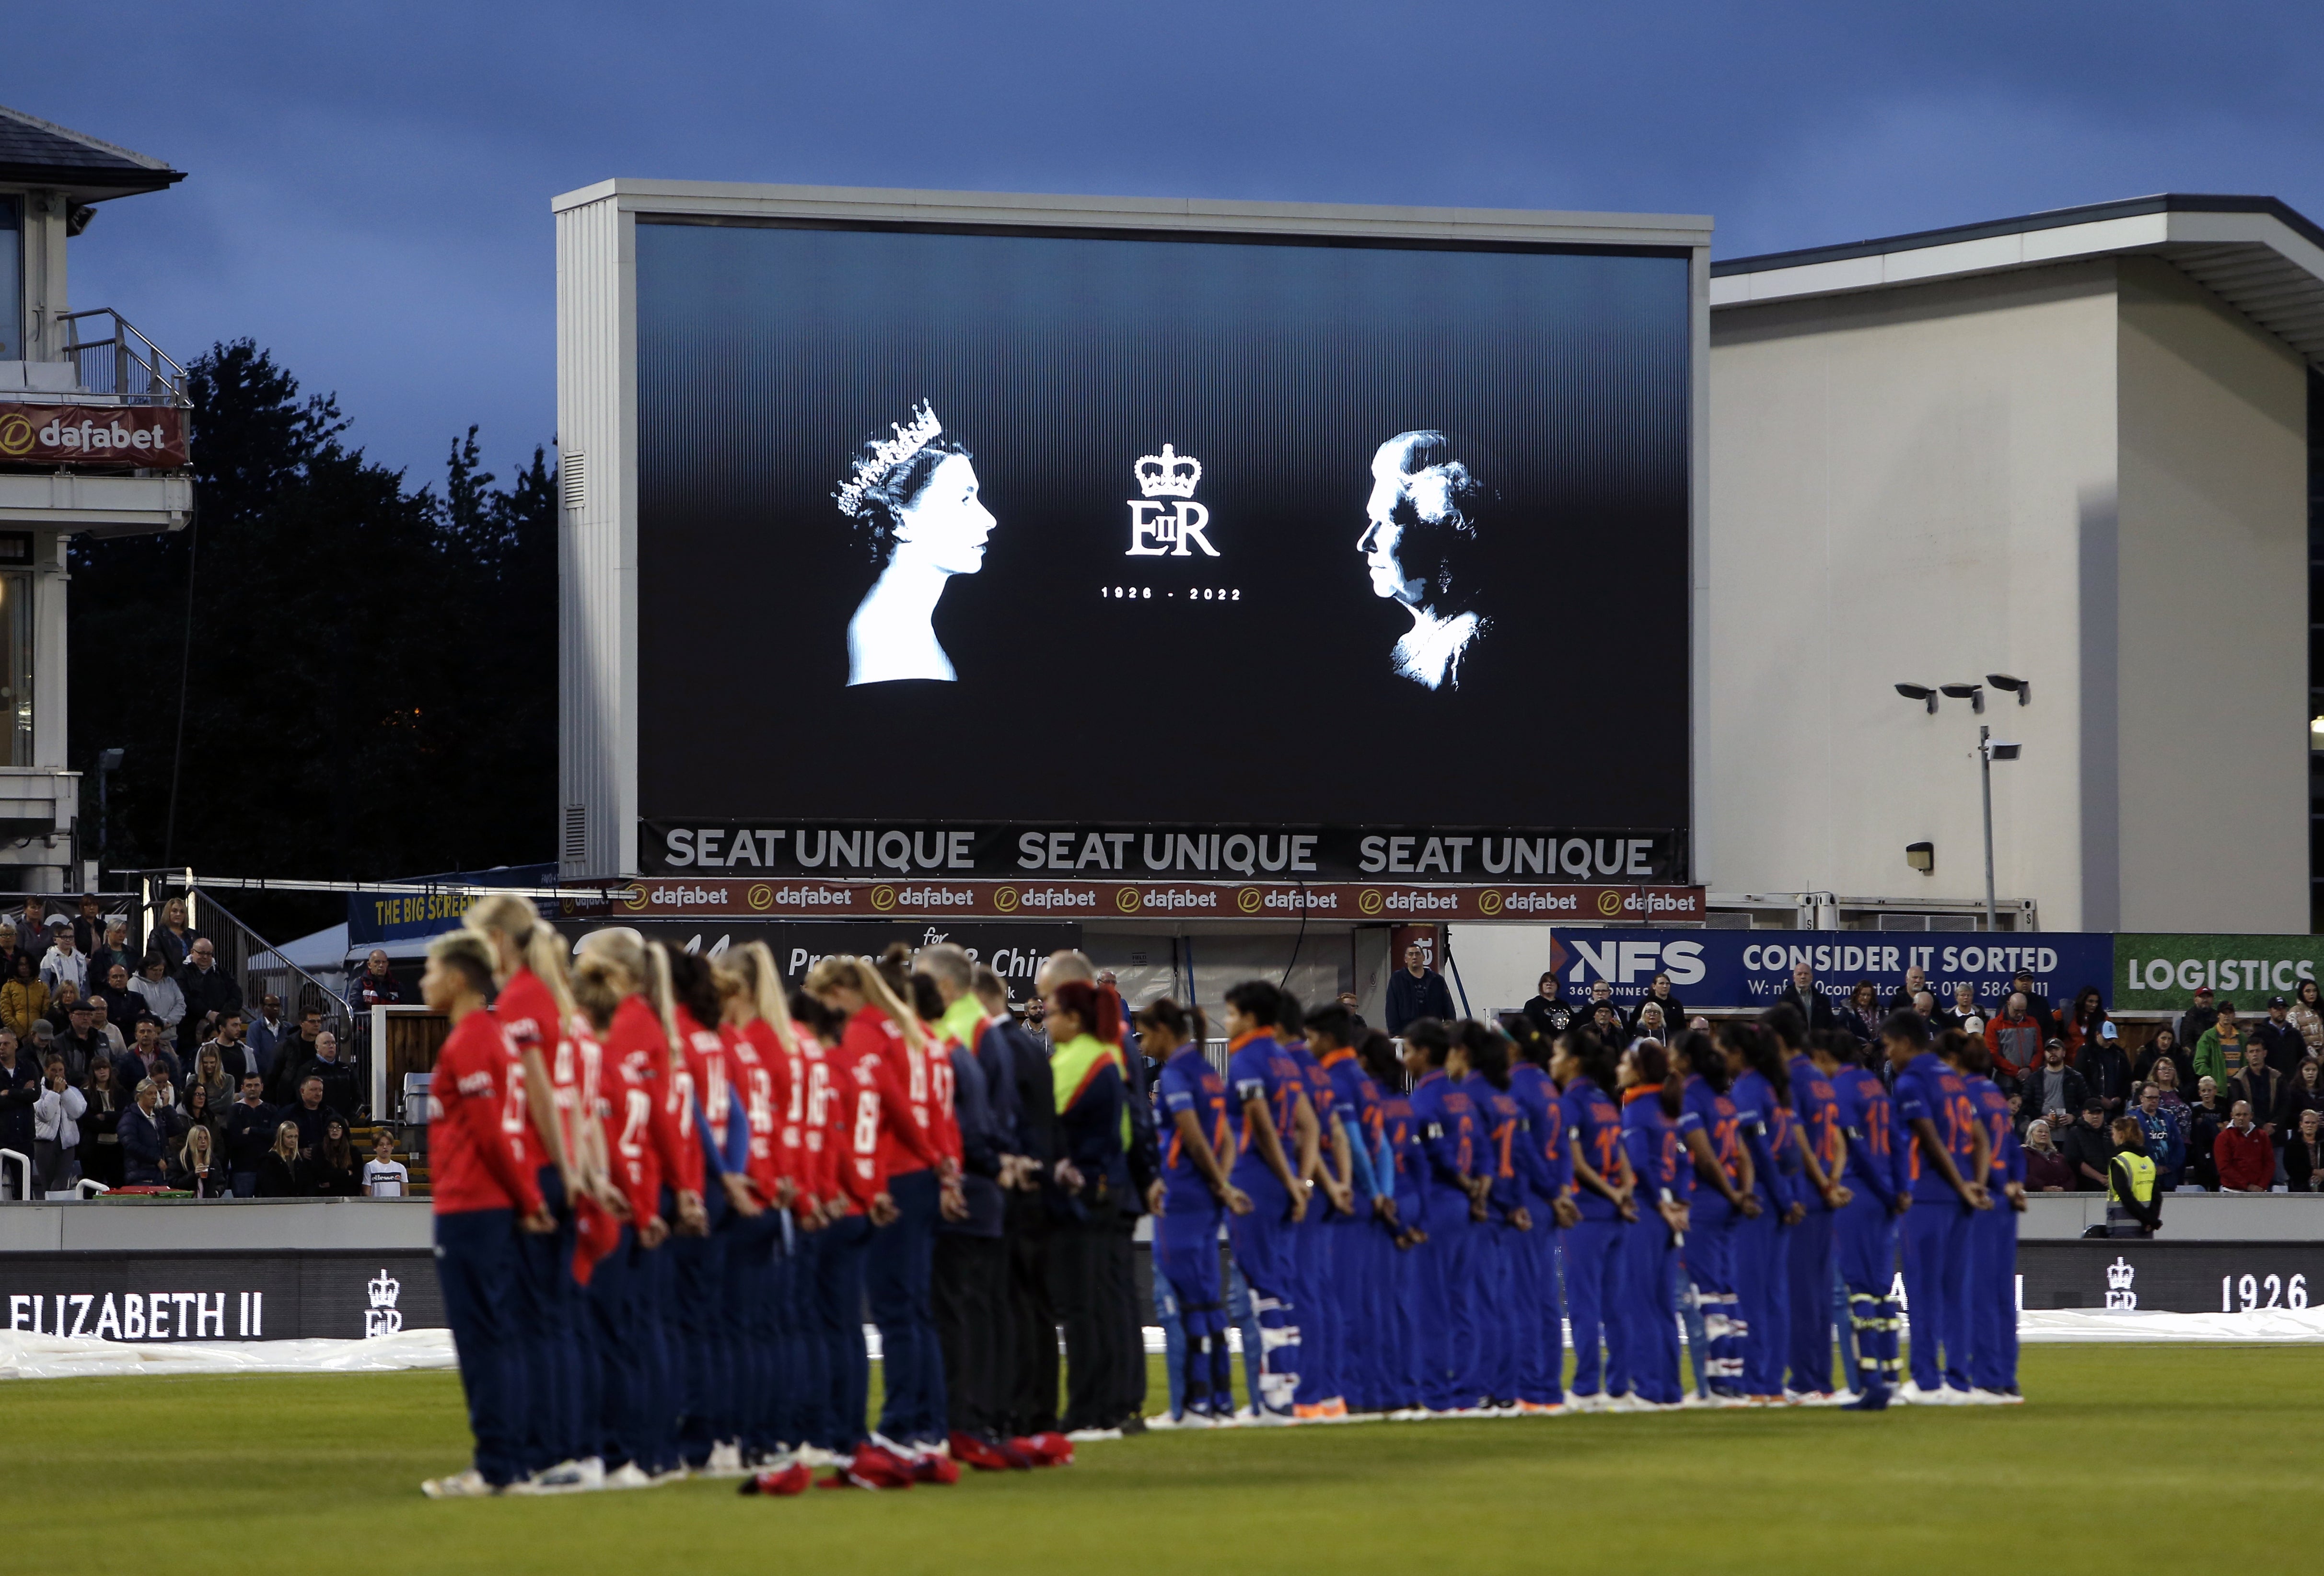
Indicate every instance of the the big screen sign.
{"type": "Point", "coordinates": [1108, 529]}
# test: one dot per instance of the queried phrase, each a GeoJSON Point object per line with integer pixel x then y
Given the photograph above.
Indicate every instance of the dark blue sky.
{"type": "Point", "coordinates": [369, 187]}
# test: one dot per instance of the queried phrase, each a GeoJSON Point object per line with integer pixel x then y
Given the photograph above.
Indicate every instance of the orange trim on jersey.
{"type": "Point", "coordinates": [1245, 1038]}
{"type": "Point", "coordinates": [1639, 1092]}
{"type": "Point", "coordinates": [1333, 1058]}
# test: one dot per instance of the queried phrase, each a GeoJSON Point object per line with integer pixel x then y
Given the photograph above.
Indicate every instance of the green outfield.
{"type": "Point", "coordinates": [2125, 1457]}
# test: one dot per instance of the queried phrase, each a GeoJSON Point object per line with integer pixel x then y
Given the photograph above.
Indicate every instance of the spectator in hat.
{"type": "Point", "coordinates": [2286, 1047]}
{"type": "Point", "coordinates": [2015, 1038]}
{"type": "Point", "coordinates": [2087, 1147]}
{"type": "Point", "coordinates": [2220, 1050]}
{"type": "Point", "coordinates": [25, 999]}
{"type": "Point", "coordinates": [64, 960]}
{"type": "Point", "coordinates": [2245, 1159]}
{"type": "Point", "coordinates": [2105, 1068]}
{"type": "Point", "coordinates": [2054, 1090]}
{"type": "Point", "coordinates": [80, 1045]}
{"type": "Point", "coordinates": [162, 999]}
{"type": "Point", "coordinates": [1809, 1003]}
{"type": "Point", "coordinates": [2198, 1017]}
{"type": "Point", "coordinates": [2259, 1085]}
{"type": "Point", "coordinates": [2038, 1005]}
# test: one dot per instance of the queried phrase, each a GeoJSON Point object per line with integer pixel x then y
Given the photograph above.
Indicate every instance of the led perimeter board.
{"type": "Point", "coordinates": [1000, 521]}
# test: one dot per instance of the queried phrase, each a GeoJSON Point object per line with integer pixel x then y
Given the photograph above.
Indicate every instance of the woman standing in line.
{"type": "Point", "coordinates": [1651, 1106]}
{"type": "Point", "coordinates": [1584, 1071]}
{"type": "Point", "coordinates": [1761, 1094]}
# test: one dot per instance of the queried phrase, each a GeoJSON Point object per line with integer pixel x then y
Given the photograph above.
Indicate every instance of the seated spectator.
{"type": "Point", "coordinates": [198, 1169]}
{"type": "Point", "coordinates": [2165, 1047]}
{"type": "Point", "coordinates": [160, 994]}
{"type": "Point", "coordinates": [209, 1073]}
{"type": "Point", "coordinates": [281, 1169]}
{"type": "Point", "coordinates": [2014, 1037]}
{"type": "Point", "coordinates": [2207, 1113]}
{"type": "Point", "coordinates": [23, 999]}
{"type": "Point", "coordinates": [250, 1128]}
{"type": "Point", "coordinates": [210, 991]}
{"type": "Point", "coordinates": [56, 1131]}
{"type": "Point", "coordinates": [144, 1140]}
{"type": "Point", "coordinates": [2053, 1091]}
{"type": "Point", "coordinates": [2134, 1187]}
{"type": "Point", "coordinates": [146, 1055]}
{"type": "Point", "coordinates": [20, 1093]}
{"type": "Point", "coordinates": [340, 1090]}
{"type": "Point", "coordinates": [1863, 1015]}
{"type": "Point", "coordinates": [2087, 1148]}
{"type": "Point", "coordinates": [383, 1176]}
{"type": "Point", "coordinates": [2286, 1049]}
{"type": "Point", "coordinates": [2307, 1016]}
{"type": "Point", "coordinates": [64, 963]}
{"type": "Point", "coordinates": [332, 1173]}
{"type": "Point", "coordinates": [2303, 1090]}
{"type": "Point", "coordinates": [63, 996]}
{"type": "Point", "coordinates": [2259, 1085]}
{"type": "Point", "coordinates": [311, 1117]}
{"type": "Point", "coordinates": [238, 1053]}
{"type": "Point", "coordinates": [2245, 1158]}
{"type": "Point", "coordinates": [2303, 1151]}
{"type": "Point", "coordinates": [375, 986]}
{"type": "Point", "coordinates": [2219, 1053]}
{"type": "Point", "coordinates": [2046, 1170]}
{"type": "Point", "coordinates": [100, 1137]}
{"type": "Point", "coordinates": [2164, 1144]}
{"type": "Point", "coordinates": [2105, 1068]}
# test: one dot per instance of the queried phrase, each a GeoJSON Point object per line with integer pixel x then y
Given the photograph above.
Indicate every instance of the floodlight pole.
{"type": "Point", "coordinates": [1985, 774]}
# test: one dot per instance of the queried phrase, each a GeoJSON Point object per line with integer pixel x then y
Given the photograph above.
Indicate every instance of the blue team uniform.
{"type": "Point", "coordinates": [1401, 1377]}
{"type": "Point", "coordinates": [1540, 1335]}
{"type": "Point", "coordinates": [1816, 1105]}
{"type": "Point", "coordinates": [1761, 1288]}
{"type": "Point", "coordinates": [1319, 1334]}
{"type": "Point", "coordinates": [1650, 1248]}
{"type": "Point", "coordinates": [1865, 1229]}
{"type": "Point", "coordinates": [1187, 1236]}
{"type": "Point", "coordinates": [1593, 1274]}
{"type": "Point", "coordinates": [1992, 1249]}
{"type": "Point", "coordinates": [1711, 1242]}
{"type": "Point", "coordinates": [1258, 1069]}
{"type": "Point", "coordinates": [1360, 1274]}
{"type": "Point", "coordinates": [1936, 1228]}
{"type": "Point", "coordinates": [1493, 1262]}
{"type": "Point", "coordinates": [1449, 1151]}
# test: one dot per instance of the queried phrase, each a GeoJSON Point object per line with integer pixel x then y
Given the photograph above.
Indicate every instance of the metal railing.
{"type": "Point", "coordinates": [259, 969]}
{"type": "Point", "coordinates": [124, 364]}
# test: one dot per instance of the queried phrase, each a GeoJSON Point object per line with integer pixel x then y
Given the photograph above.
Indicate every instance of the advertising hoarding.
{"type": "Point", "coordinates": [2160, 972]}
{"type": "Point", "coordinates": [1751, 968]}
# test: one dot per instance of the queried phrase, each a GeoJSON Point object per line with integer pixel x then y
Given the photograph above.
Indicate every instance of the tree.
{"type": "Point", "coordinates": [370, 682]}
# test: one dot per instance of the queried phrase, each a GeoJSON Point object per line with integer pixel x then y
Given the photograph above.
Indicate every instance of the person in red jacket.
{"type": "Point", "coordinates": [484, 1198]}
{"type": "Point", "coordinates": [872, 1119]}
{"type": "Point", "coordinates": [2245, 1159]}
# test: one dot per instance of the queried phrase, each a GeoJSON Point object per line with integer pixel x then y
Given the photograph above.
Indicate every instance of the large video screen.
{"type": "Point", "coordinates": [940, 524]}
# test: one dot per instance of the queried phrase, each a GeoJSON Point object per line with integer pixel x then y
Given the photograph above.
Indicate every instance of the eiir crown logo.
{"type": "Point", "coordinates": [1169, 474]}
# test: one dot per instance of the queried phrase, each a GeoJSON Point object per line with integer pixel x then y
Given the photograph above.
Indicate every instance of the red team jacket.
{"type": "Point", "coordinates": [924, 1077]}
{"type": "Point", "coordinates": [528, 1015]}
{"type": "Point", "coordinates": [761, 1086]}
{"type": "Point", "coordinates": [478, 1136]}
{"type": "Point", "coordinates": [871, 1118]}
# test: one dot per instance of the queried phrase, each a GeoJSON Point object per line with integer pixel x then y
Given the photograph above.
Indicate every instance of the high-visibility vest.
{"type": "Point", "coordinates": [2142, 1177]}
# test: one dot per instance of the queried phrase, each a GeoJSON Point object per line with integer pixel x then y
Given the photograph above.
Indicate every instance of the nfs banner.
{"type": "Point", "coordinates": [1750, 968]}
{"type": "Point", "coordinates": [2160, 972]}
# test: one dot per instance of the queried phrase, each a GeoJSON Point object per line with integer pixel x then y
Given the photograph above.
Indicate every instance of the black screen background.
{"type": "Point", "coordinates": [767, 354]}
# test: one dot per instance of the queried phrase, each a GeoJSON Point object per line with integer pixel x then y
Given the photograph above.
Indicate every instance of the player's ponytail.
{"type": "Point", "coordinates": [1696, 1052]}
{"type": "Point", "coordinates": [1184, 1024]}
{"type": "Point", "coordinates": [1097, 1008]}
{"type": "Point", "coordinates": [755, 963]}
{"type": "Point", "coordinates": [610, 967]}
{"type": "Point", "coordinates": [1760, 1053]}
{"type": "Point", "coordinates": [540, 949]}
{"type": "Point", "coordinates": [1489, 1052]}
{"type": "Point", "coordinates": [863, 976]}
{"type": "Point", "coordinates": [661, 996]}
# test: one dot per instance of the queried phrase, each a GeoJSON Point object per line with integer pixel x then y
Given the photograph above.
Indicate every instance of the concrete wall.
{"type": "Point", "coordinates": [2039, 473]}
{"type": "Point", "coordinates": [2209, 719]}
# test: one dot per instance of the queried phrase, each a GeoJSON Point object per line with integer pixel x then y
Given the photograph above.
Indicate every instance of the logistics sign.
{"type": "Point", "coordinates": [1749, 968]}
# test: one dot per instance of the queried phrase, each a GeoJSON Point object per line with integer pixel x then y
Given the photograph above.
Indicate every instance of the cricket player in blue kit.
{"type": "Point", "coordinates": [1993, 1242]}
{"type": "Point", "coordinates": [1712, 1133]}
{"type": "Point", "coordinates": [1320, 1332]}
{"type": "Point", "coordinates": [1401, 1358]}
{"type": "Point", "coordinates": [1584, 1070]}
{"type": "Point", "coordinates": [1449, 1142]}
{"type": "Point", "coordinates": [1498, 1237]}
{"type": "Point", "coordinates": [1946, 1157]}
{"type": "Point", "coordinates": [1197, 1149]}
{"type": "Point", "coordinates": [1816, 1136]}
{"type": "Point", "coordinates": [1763, 1117]}
{"type": "Point", "coordinates": [1267, 1101]}
{"type": "Point", "coordinates": [1541, 1336]}
{"type": "Point", "coordinates": [1864, 1229]}
{"type": "Point", "coordinates": [1357, 1289]}
{"type": "Point", "coordinates": [1651, 1105]}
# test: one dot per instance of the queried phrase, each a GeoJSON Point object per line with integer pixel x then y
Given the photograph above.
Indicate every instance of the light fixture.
{"type": "Point", "coordinates": [1921, 857]}
{"type": "Point", "coordinates": [1919, 691]}
{"type": "Point", "coordinates": [2001, 751]}
{"type": "Point", "coordinates": [1972, 693]}
{"type": "Point", "coordinates": [2024, 688]}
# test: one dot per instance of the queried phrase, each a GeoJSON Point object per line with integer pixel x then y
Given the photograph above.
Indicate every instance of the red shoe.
{"type": "Point", "coordinates": [971, 1450]}
{"type": "Point", "coordinates": [1049, 1449]}
{"type": "Point", "coordinates": [1018, 1453]}
{"type": "Point", "coordinates": [792, 1479]}
{"type": "Point", "coordinates": [933, 1468]}
{"type": "Point", "coordinates": [869, 1468]}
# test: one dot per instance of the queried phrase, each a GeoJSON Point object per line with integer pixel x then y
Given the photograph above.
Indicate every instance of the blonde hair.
{"type": "Point", "coordinates": [291, 1129]}
{"type": "Point", "coordinates": [754, 970]}
{"type": "Point", "coordinates": [611, 965]}
{"type": "Point", "coordinates": [661, 996]}
{"type": "Point", "coordinates": [542, 949]}
{"type": "Point", "coordinates": [186, 1149]}
{"type": "Point", "coordinates": [862, 976]}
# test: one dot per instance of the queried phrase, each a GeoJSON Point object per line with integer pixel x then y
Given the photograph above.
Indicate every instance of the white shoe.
{"type": "Point", "coordinates": [467, 1485]}
{"type": "Point", "coordinates": [564, 1478]}
{"type": "Point", "coordinates": [1914, 1395]}
{"type": "Point", "coordinates": [725, 1461]}
{"type": "Point", "coordinates": [1409, 1414]}
{"type": "Point", "coordinates": [1454, 1412]}
{"type": "Point", "coordinates": [1264, 1417]}
{"type": "Point", "coordinates": [1593, 1402]}
{"type": "Point", "coordinates": [1986, 1398]}
{"type": "Point", "coordinates": [1093, 1435]}
{"type": "Point", "coordinates": [1163, 1420]}
{"type": "Point", "coordinates": [628, 1476]}
{"type": "Point", "coordinates": [1636, 1405]}
{"type": "Point", "coordinates": [1625, 1402]}
{"type": "Point", "coordinates": [677, 1474]}
{"type": "Point", "coordinates": [815, 1455]}
{"type": "Point", "coordinates": [1362, 1417]}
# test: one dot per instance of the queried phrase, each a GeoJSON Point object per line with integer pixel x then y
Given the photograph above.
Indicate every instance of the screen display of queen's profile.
{"type": "Point", "coordinates": [962, 523]}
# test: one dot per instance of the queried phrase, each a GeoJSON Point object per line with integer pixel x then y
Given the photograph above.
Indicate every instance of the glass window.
{"type": "Point", "coordinates": [12, 279]}
{"type": "Point", "coordinates": [16, 667]}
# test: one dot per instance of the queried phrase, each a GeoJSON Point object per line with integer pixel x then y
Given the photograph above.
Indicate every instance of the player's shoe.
{"type": "Point", "coordinates": [1409, 1414]}
{"type": "Point", "coordinates": [1867, 1401]}
{"type": "Point", "coordinates": [1541, 1408]}
{"type": "Point", "coordinates": [1312, 1412]}
{"type": "Point", "coordinates": [934, 1468]}
{"type": "Point", "coordinates": [1269, 1417]}
{"type": "Point", "coordinates": [628, 1475]}
{"type": "Point", "coordinates": [2013, 1397]}
{"type": "Point", "coordinates": [467, 1485]}
{"type": "Point", "coordinates": [971, 1452]}
{"type": "Point", "coordinates": [1914, 1395]}
{"type": "Point", "coordinates": [871, 1467]}
{"type": "Point", "coordinates": [1093, 1435]}
{"type": "Point", "coordinates": [815, 1455]}
{"type": "Point", "coordinates": [1051, 1449]}
{"type": "Point", "coordinates": [1579, 1404]}
{"type": "Point", "coordinates": [564, 1478]}
{"type": "Point", "coordinates": [725, 1461]}
{"type": "Point", "coordinates": [783, 1482]}
{"type": "Point", "coordinates": [1445, 1413]}
{"type": "Point", "coordinates": [1982, 1397]}
{"type": "Point", "coordinates": [1335, 1410]}
{"type": "Point", "coordinates": [1813, 1398]}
